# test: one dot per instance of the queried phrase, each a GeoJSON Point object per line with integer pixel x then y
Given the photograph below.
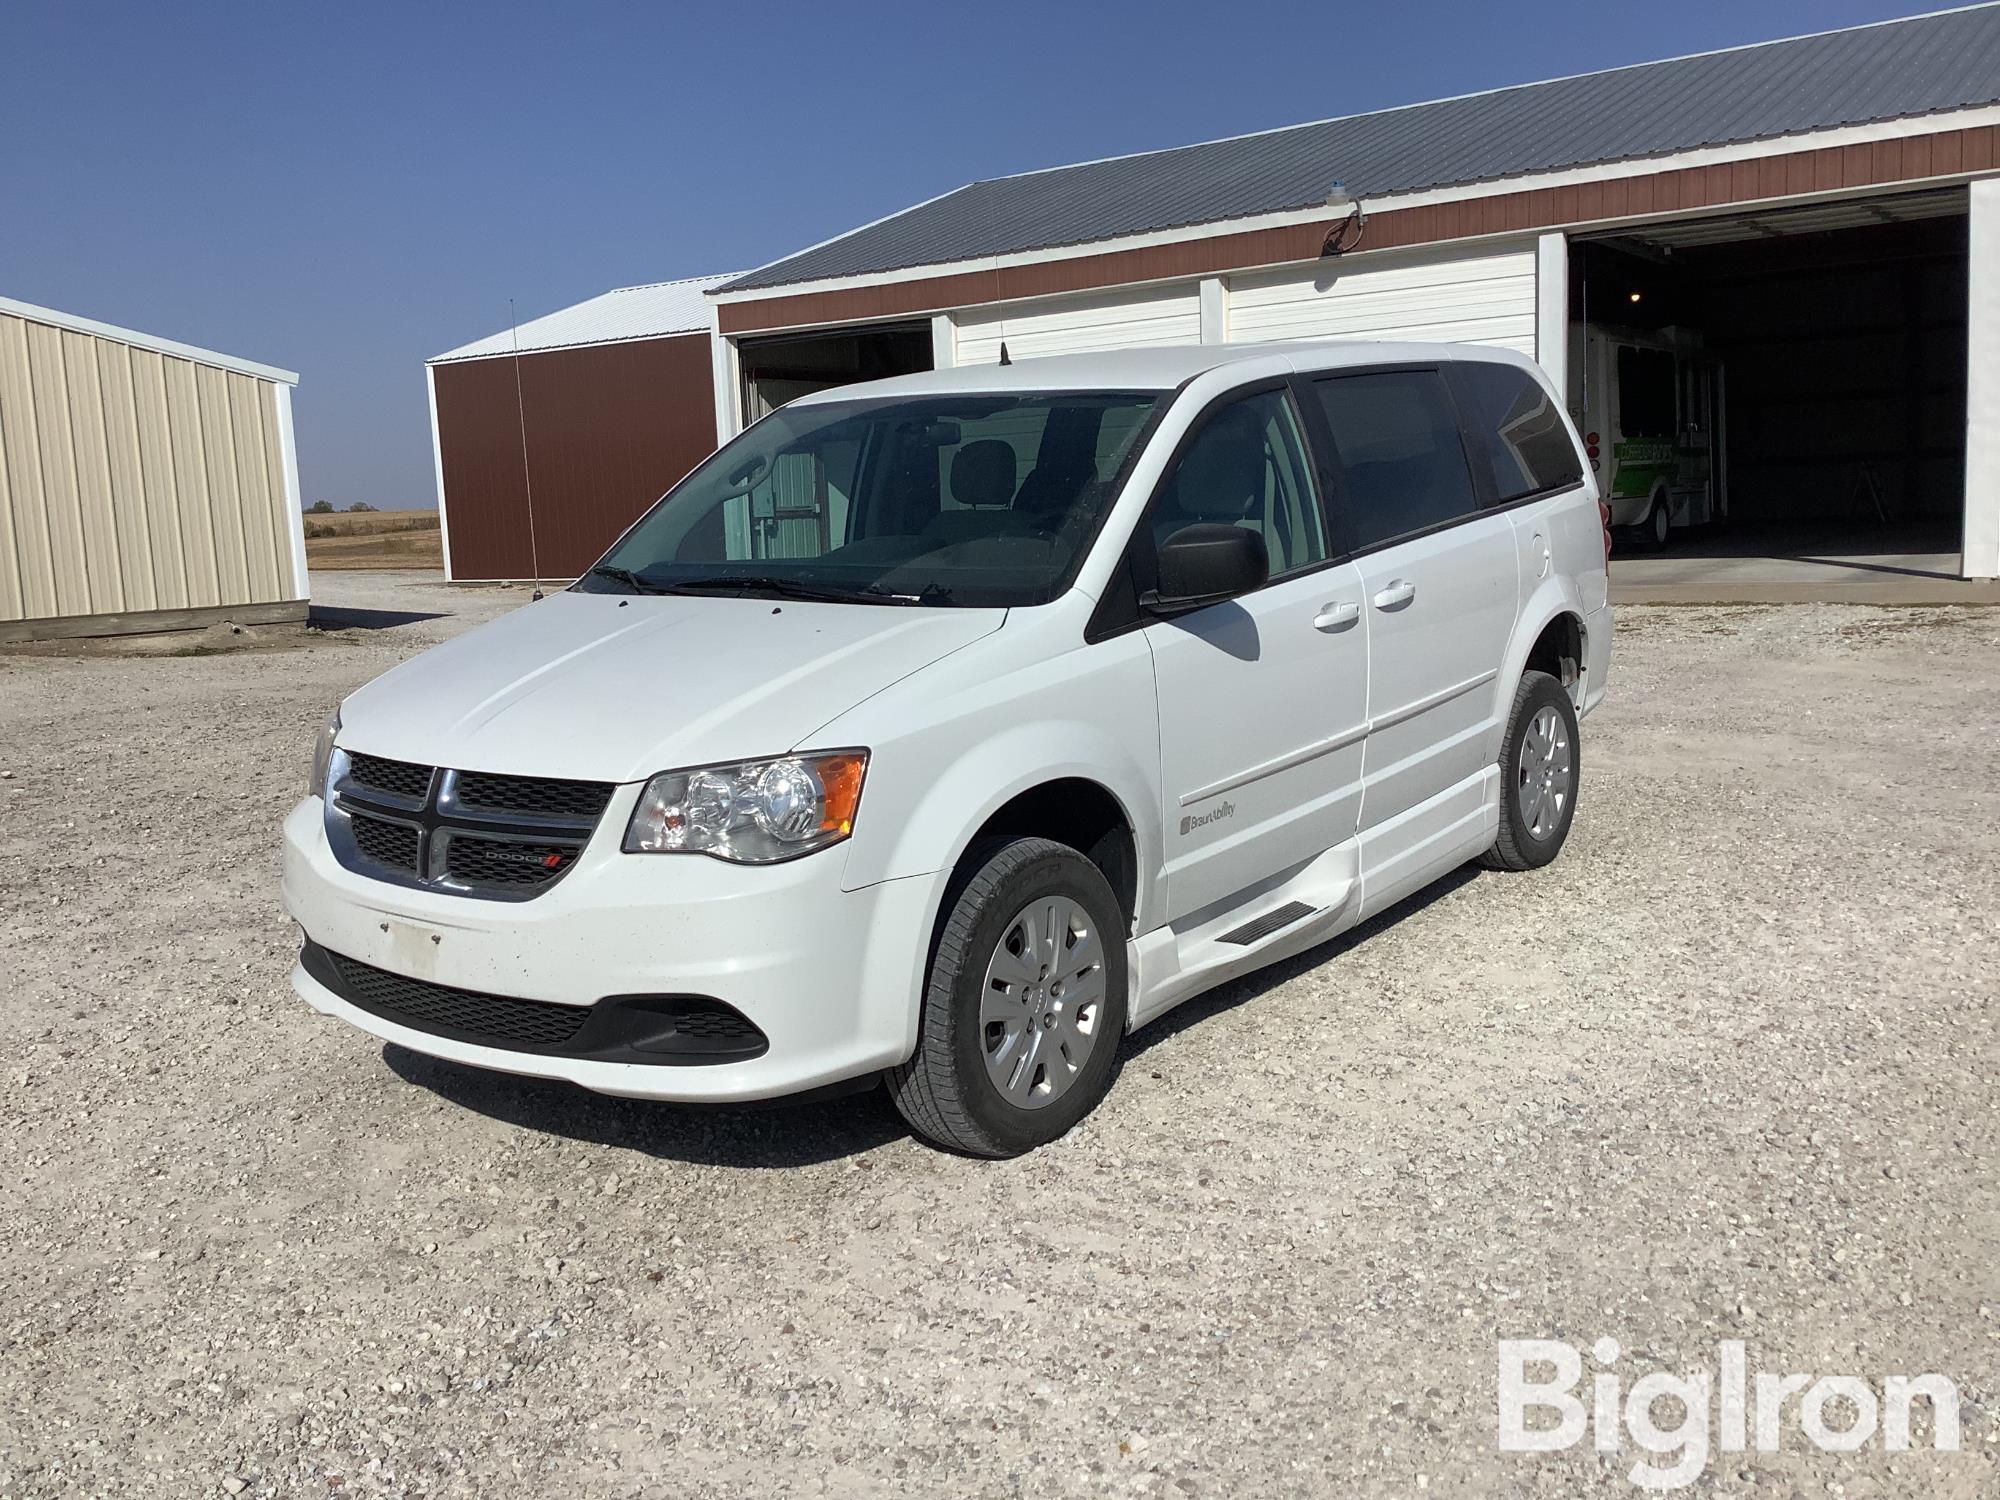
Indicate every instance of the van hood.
{"type": "Point", "coordinates": [614, 687]}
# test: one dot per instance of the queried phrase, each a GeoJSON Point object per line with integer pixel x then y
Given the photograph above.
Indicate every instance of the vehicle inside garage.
{"type": "Point", "coordinates": [1789, 383]}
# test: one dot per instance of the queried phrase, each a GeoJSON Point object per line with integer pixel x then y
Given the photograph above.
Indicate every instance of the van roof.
{"type": "Point", "coordinates": [1160, 368]}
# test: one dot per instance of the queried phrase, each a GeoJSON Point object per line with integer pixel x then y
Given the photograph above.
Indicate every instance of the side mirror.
{"type": "Point", "coordinates": [1206, 564]}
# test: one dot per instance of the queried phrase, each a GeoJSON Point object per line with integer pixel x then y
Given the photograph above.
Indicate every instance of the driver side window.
{"type": "Point", "coordinates": [1246, 467]}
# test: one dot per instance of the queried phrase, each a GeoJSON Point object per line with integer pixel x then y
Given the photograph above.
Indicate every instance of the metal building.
{"type": "Point", "coordinates": [144, 484]}
{"type": "Point", "coordinates": [1798, 242]}
{"type": "Point", "coordinates": [551, 438]}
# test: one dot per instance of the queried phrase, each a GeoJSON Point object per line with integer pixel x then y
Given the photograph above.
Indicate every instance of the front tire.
{"type": "Point", "coordinates": [1659, 526]}
{"type": "Point", "coordinates": [1025, 1007]}
{"type": "Point", "coordinates": [1540, 770]}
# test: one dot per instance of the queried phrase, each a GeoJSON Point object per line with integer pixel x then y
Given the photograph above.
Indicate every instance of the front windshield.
{"type": "Point", "coordinates": [986, 500]}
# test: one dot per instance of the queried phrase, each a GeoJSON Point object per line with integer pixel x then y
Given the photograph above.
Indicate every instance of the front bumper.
{"type": "Point", "coordinates": [832, 978]}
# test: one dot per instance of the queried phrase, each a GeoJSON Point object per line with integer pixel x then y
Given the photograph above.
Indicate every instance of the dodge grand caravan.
{"type": "Point", "coordinates": [942, 730]}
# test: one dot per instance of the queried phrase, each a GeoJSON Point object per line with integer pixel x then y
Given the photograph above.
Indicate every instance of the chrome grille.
{"type": "Point", "coordinates": [467, 833]}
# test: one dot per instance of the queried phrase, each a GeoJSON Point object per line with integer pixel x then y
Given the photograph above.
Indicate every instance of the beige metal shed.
{"type": "Point", "coordinates": [144, 485]}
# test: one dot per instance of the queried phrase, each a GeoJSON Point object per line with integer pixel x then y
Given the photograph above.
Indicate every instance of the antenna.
{"type": "Point", "coordinates": [527, 474]}
{"type": "Point", "coordinates": [1003, 353]}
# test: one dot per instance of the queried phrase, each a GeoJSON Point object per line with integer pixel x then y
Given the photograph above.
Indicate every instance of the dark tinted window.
{"type": "Point", "coordinates": [1526, 446]}
{"type": "Point", "coordinates": [1396, 434]}
{"type": "Point", "coordinates": [1247, 467]}
{"type": "Point", "coordinates": [1645, 393]}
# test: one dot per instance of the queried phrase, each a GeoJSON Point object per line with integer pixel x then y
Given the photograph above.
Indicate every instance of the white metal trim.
{"type": "Point", "coordinates": [138, 340]}
{"type": "Point", "coordinates": [1980, 547]}
{"type": "Point", "coordinates": [1214, 296]}
{"type": "Point", "coordinates": [1969, 119]}
{"type": "Point", "coordinates": [944, 341]}
{"type": "Point", "coordinates": [437, 469]}
{"type": "Point", "coordinates": [288, 458]}
{"type": "Point", "coordinates": [1552, 309]}
{"type": "Point", "coordinates": [725, 379]}
{"type": "Point", "coordinates": [529, 353]}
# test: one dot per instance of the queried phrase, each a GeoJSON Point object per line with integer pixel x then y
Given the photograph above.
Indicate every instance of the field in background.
{"type": "Point", "coordinates": [375, 539]}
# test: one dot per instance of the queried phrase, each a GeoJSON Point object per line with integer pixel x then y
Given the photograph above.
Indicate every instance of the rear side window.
{"type": "Point", "coordinates": [1526, 447]}
{"type": "Point", "coordinates": [1396, 435]}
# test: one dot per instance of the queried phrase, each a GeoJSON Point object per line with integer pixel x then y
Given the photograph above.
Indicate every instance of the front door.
{"type": "Point", "coordinates": [1263, 698]}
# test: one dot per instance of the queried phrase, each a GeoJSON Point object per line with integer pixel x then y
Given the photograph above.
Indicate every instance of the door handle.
{"type": "Point", "coordinates": [1396, 595]}
{"type": "Point", "coordinates": [1336, 616]}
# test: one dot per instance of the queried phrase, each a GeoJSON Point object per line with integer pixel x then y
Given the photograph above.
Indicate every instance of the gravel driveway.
{"type": "Point", "coordinates": [1726, 1071]}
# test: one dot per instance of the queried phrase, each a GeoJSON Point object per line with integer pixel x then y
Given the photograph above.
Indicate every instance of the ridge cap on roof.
{"type": "Point", "coordinates": [647, 286]}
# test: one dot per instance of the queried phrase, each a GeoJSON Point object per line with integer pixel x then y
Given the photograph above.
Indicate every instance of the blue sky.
{"type": "Point", "coordinates": [345, 190]}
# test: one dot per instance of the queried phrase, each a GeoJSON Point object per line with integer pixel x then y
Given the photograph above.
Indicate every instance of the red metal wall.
{"type": "Point", "coordinates": [609, 429]}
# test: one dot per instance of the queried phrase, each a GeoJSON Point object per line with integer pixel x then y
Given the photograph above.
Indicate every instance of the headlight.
{"type": "Point", "coordinates": [322, 753]}
{"type": "Point", "coordinates": [754, 813]}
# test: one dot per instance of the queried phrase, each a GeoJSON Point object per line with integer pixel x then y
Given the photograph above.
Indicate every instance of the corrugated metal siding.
{"type": "Point", "coordinates": [1131, 319]}
{"type": "Point", "coordinates": [1463, 299]}
{"type": "Point", "coordinates": [132, 481]}
{"type": "Point", "coordinates": [1923, 65]}
{"type": "Point", "coordinates": [609, 429]}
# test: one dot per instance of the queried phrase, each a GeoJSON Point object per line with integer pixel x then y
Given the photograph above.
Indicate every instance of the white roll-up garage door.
{"type": "Point", "coordinates": [1484, 298]}
{"type": "Point", "coordinates": [1131, 318]}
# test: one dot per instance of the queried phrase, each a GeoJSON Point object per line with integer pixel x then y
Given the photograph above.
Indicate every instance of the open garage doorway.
{"type": "Point", "coordinates": [1783, 389]}
{"type": "Point", "coordinates": [777, 370]}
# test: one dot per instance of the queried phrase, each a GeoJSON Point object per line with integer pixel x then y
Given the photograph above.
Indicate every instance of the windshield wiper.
{"type": "Point", "coordinates": [930, 593]}
{"type": "Point", "coordinates": [626, 576]}
{"type": "Point", "coordinates": [784, 588]}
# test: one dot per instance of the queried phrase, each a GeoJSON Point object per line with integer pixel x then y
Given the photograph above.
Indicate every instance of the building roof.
{"type": "Point", "coordinates": [138, 340]}
{"type": "Point", "coordinates": [630, 312]}
{"type": "Point", "coordinates": [1889, 70]}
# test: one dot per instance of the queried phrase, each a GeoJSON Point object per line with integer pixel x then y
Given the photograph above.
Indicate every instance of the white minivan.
{"type": "Point", "coordinates": [944, 729]}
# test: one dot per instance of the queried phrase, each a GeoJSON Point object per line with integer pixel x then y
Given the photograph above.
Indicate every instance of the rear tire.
{"type": "Point", "coordinates": [1541, 768]}
{"type": "Point", "coordinates": [1025, 1008]}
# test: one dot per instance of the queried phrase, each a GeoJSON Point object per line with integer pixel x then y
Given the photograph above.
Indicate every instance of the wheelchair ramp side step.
{"type": "Point", "coordinates": [1270, 922]}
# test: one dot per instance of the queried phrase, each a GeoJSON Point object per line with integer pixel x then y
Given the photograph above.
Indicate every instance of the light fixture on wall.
{"type": "Point", "coordinates": [1345, 235]}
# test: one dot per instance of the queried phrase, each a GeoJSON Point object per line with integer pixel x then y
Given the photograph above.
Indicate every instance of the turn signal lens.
{"type": "Point", "coordinates": [323, 754]}
{"type": "Point", "coordinates": [754, 812]}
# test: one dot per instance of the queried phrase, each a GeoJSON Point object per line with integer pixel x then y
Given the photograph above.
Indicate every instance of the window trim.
{"type": "Point", "coordinates": [1118, 611]}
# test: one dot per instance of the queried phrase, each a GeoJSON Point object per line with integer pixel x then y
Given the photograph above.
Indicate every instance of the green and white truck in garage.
{"type": "Point", "coordinates": [1649, 405]}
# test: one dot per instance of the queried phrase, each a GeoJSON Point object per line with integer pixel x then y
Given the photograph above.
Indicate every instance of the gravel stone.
{"type": "Point", "coordinates": [1726, 1070]}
